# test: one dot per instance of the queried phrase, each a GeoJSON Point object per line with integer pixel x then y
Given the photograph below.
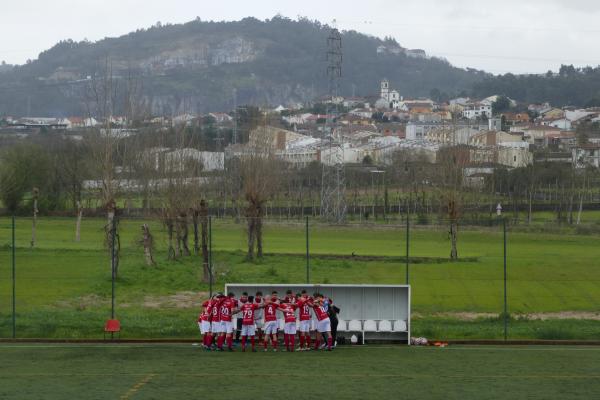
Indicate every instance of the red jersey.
{"type": "Point", "coordinates": [304, 308]}
{"type": "Point", "coordinates": [216, 315]}
{"type": "Point", "coordinates": [288, 312]}
{"type": "Point", "coordinates": [226, 308]}
{"type": "Point", "coordinates": [248, 311]}
{"type": "Point", "coordinates": [206, 311]}
{"type": "Point", "coordinates": [320, 312]}
{"type": "Point", "coordinates": [271, 312]}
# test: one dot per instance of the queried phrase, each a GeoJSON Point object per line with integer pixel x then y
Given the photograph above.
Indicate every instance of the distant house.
{"type": "Point", "coordinates": [477, 110]}
{"type": "Point", "coordinates": [515, 118]}
{"type": "Point", "coordinates": [586, 155]}
{"type": "Point", "coordinates": [221, 118]}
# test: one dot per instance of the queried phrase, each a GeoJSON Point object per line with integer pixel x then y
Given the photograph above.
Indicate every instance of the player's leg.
{"type": "Point", "coordinates": [229, 335]}
{"type": "Point", "coordinates": [252, 333]}
{"type": "Point", "coordinates": [244, 335]}
{"type": "Point", "coordinates": [292, 334]}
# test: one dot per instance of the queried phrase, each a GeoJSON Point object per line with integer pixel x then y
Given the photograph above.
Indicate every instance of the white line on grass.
{"type": "Point", "coordinates": [344, 348]}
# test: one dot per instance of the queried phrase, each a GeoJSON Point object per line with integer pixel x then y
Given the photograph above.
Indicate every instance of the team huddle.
{"type": "Point", "coordinates": [259, 320]}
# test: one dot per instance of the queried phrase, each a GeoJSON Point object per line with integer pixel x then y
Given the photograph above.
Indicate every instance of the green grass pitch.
{"type": "Point", "coordinates": [63, 287]}
{"type": "Point", "coordinates": [123, 371]}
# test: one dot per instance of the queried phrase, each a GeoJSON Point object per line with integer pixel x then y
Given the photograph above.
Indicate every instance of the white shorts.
{"type": "Point", "coordinates": [226, 327]}
{"type": "Point", "coordinates": [271, 327]}
{"type": "Point", "coordinates": [259, 324]}
{"type": "Point", "coordinates": [305, 326]}
{"type": "Point", "coordinates": [313, 324]}
{"type": "Point", "coordinates": [215, 327]}
{"type": "Point", "coordinates": [324, 325]}
{"type": "Point", "coordinates": [289, 328]}
{"type": "Point", "coordinates": [248, 330]}
{"type": "Point", "coordinates": [204, 327]}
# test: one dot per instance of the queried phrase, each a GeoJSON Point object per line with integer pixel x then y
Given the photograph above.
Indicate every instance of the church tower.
{"type": "Point", "coordinates": [385, 89]}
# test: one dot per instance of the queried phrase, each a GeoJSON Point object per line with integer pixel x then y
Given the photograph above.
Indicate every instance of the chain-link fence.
{"type": "Point", "coordinates": [63, 287]}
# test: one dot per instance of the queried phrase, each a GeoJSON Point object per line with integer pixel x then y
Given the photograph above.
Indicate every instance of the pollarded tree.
{"type": "Point", "coordinates": [260, 172]}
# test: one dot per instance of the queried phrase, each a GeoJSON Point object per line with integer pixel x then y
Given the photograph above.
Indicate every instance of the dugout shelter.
{"type": "Point", "coordinates": [372, 312]}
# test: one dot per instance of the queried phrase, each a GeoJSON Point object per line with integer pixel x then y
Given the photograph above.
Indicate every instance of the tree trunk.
{"type": "Point", "coordinates": [251, 236]}
{"type": "Point", "coordinates": [34, 221]}
{"type": "Point", "coordinates": [259, 241]}
{"type": "Point", "coordinates": [530, 207]}
{"type": "Point", "coordinates": [454, 240]}
{"type": "Point", "coordinates": [170, 229]}
{"type": "Point", "coordinates": [182, 235]}
{"type": "Point", "coordinates": [148, 242]}
{"type": "Point", "coordinates": [195, 215]}
{"type": "Point", "coordinates": [78, 223]}
{"type": "Point", "coordinates": [204, 233]}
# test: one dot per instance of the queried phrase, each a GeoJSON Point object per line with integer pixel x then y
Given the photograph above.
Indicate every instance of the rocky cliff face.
{"type": "Point", "coordinates": [201, 54]}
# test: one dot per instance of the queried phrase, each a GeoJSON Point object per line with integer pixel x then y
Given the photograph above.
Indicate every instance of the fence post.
{"type": "Point", "coordinates": [407, 245]}
{"type": "Point", "coordinates": [505, 278]}
{"type": "Point", "coordinates": [307, 254]}
{"type": "Point", "coordinates": [210, 269]}
{"type": "Point", "coordinates": [14, 281]}
{"type": "Point", "coordinates": [113, 235]}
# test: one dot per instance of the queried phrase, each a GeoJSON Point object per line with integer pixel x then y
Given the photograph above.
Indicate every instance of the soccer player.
{"type": "Point", "coordinates": [248, 311]}
{"type": "Point", "coordinates": [204, 323]}
{"type": "Point", "coordinates": [289, 329]}
{"type": "Point", "coordinates": [215, 320]}
{"type": "Point", "coordinates": [243, 299]}
{"type": "Point", "coordinates": [270, 327]}
{"type": "Point", "coordinates": [305, 320]}
{"type": "Point", "coordinates": [258, 315]}
{"type": "Point", "coordinates": [289, 297]}
{"type": "Point", "coordinates": [225, 312]}
{"type": "Point", "coordinates": [320, 307]}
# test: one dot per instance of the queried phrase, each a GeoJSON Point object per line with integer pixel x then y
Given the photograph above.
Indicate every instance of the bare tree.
{"type": "Point", "coordinates": [203, 214]}
{"type": "Point", "coordinates": [78, 223]}
{"type": "Point", "coordinates": [36, 194]}
{"type": "Point", "coordinates": [148, 243]}
{"type": "Point", "coordinates": [260, 180]}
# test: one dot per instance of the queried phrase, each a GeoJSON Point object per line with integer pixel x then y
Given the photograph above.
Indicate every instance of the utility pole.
{"type": "Point", "coordinates": [333, 200]}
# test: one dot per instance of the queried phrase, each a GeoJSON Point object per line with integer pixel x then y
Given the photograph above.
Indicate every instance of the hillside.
{"type": "Point", "coordinates": [569, 87]}
{"type": "Point", "coordinates": [194, 67]}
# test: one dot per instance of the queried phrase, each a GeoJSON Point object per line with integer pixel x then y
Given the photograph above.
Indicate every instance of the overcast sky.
{"type": "Point", "coordinates": [521, 36]}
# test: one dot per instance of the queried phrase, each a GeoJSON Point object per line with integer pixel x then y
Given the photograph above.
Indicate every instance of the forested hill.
{"type": "Point", "coordinates": [195, 67]}
{"type": "Point", "coordinates": [570, 86]}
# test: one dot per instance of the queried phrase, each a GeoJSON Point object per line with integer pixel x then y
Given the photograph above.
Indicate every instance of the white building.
{"type": "Point", "coordinates": [391, 97]}
{"type": "Point", "coordinates": [477, 110]}
{"type": "Point", "coordinates": [586, 155]}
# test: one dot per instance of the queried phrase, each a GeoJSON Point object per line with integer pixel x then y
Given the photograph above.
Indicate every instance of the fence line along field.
{"type": "Point", "coordinates": [63, 287]}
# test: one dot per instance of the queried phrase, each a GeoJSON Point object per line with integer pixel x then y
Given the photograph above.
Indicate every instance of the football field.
{"type": "Point", "coordinates": [182, 371]}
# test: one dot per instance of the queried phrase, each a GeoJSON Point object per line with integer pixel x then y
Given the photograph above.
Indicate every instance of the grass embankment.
{"type": "Point", "coordinates": [63, 287]}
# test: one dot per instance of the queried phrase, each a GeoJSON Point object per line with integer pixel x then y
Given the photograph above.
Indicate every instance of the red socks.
{"type": "Point", "coordinates": [316, 344]}
{"type": "Point", "coordinates": [292, 342]}
{"type": "Point", "coordinates": [220, 341]}
{"type": "Point", "coordinates": [307, 341]}
{"type": "Point", "coordinates": [329, 342]}
{"type": "Point", "coordinates": [252, 341]}
{"type": "Point", "coordinates": [230, 341]}
{"type": "Point", "coordinates": [286, 340]}
{"type": "Point", "coordinates": [244, 342]}
{"type": "Point", "coordinates": [301, 341]}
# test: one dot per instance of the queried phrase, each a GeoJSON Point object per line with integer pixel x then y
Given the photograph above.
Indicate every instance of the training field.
{"type": "Point", "coordinates": [160, 371]}
{"type": "Point", "coordinates": [63, 288]}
